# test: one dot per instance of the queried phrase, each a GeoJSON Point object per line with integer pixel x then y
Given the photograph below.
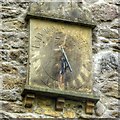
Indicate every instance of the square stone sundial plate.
{"type": "Point", "coordinates": [60, 56]}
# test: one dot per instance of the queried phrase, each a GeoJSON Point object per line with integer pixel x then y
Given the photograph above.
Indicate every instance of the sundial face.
{"type": "Point", "coordinates": [60, 56]}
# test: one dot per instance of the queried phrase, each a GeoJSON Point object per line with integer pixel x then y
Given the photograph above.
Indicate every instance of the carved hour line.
{"type": "Point", "coordinates": [48, 73]}
{"type": "Point", "coordinates": [35, 46]}
{"type": "Point", "coordinates": [40, 34]}
{"type": "Point", "coordinates": [38, 38]}
{"type": "Point", "coordinates": [45, 83]}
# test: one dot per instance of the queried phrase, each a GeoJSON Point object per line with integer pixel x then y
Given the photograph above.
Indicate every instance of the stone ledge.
{"type": "Point", "coordinates": [54, 93]}
{"type": "Point", "coordinates": [83, 23]}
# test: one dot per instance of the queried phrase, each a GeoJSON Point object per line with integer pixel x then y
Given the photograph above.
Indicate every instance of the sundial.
{"type": "Point", "coordinates": [60, 62]}
{"type": "Point", "coordinates": [60, 56]}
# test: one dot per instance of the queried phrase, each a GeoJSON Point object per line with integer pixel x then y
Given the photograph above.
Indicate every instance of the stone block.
{"type": "Point", "coordinates": [10, 95]}
{"type": "Point", "coordinates": [110, 89]}
{"type": "Point", "coordinates": [109, 33]}
{"type": "Point", "coordinates": [59, 104]}
{"type": "Point", "coordinates": [29, 100]}
{"type": "Point", "coordinates": [13, 25]}
{"type": "Point", "coordinates": [69, 114]}
{"type": "Point", "coordinates": [116, 24]}
{"type": "Point", "coordinates": [52, 113]}
{"type": "Point", "coordinates": [89, 107]}
{"type": "Point", "coordinates": [100, 109]}
{"type": "Point", "coordinates": [14, 55]}
{"type": "Point", "coordinates": [9, 68]}
{"type": "Point", "coordinates": [4, 55]}
{"type": "Point", "coordinates": [106, 62]}
{"type": "Point", "coordinates": [12, 107]}
{"type": "Point", "coordinates": [12, 82]}
{"type": "Point", "coordinates": [104, 12]}
{"type": "Point", "coordinates": [64, 11]}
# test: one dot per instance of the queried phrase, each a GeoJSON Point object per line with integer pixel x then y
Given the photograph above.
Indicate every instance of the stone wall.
{"type": "Point", "coordinates": [14, 56]}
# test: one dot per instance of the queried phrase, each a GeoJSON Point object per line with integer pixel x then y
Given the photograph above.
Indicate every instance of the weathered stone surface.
{"type": "Point", "coordinates": [100, 109]}
{"type": "Point", "coordinates": [69, 114]}
{"type": "Point", "coordinates": [106, 61]}
{"type": "Point", "coordinates": [5, 116]}
{"type": "Point", "coordinates": [107, 32]}
{"type": "Point", "coordinates": [111, 114]}
{"type": "Point", "coordinates": [109, 1]}
{"type": "Point", "coordinates": [64, 11]}
{"type": "Point", "coordinates": [107, 37]}
{"type": "Point", "coordinates": [113, 105]}
{"type": "Point", "coordinates": [52, 113]}
{"type": "Point", "coordinates": [12, 107]}
{"type": "Point", "coordinates": [117, 2]}
{"type": "Point", "coordinates": [4, 55]}
{"type": "Point", "coordinates": [5, 46]}
{"type": "Point", "coordinates": [12, 25]}
{"type": "Point", "coordinates": [104, 12]}
{"type": "Point", "coordinates": [116, 24]}
{"type": "Point", "coordinates": [11, 82]}
{"type": "Point", "coordinates": [11, 115]}
{"type": "Point", "coordinates": [109, 64]}
{"type": "Point", "coordinates": [110, 89]}
{"type": "Point", "coordinates": [13, 35]}
{"type": "Point", "coordinates": [14, 55]}
{"type": "Point", "coordinates": [90, 1]}
{"type": "Point", "coordinates": [10, 95]}
{"type": "Point", "coordinates": [9, 68]}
